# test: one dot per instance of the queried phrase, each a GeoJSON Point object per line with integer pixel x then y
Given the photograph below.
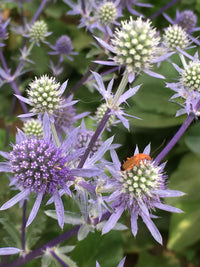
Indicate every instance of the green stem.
{"type": "Point", "coordinates": [121, 88]}
{"type": "Point", "coordinates": [53, 129]}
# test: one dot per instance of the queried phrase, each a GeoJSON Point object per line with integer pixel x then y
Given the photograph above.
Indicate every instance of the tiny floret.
{"type": "Point", "coordinates": [175, 37]}
{"type": "Point", "coordinates": [34, 128]}
{"type": "Point", "coordinates": [38, 31]}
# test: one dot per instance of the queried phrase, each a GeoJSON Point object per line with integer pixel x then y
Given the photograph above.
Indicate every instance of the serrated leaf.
{"type": "Point", "coordinates": [12, 231]}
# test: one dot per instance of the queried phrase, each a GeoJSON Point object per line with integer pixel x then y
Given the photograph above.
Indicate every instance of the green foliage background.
{"type": "Point", "coordinates": [158, 124]}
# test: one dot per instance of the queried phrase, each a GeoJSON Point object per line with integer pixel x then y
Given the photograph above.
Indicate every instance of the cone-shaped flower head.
{"type": "Point", "coordinates": [190, 77]}
{"type": "Point", "coordinates": [135, 44]}
{"type": "Point", "coordinates": [138, 189]}
{"type": "Point", "coordinates": [38, 165]}
{"type": "Point", "coordinates": [38, 31]}
{"type": "Point", "coordinates": [187, 20]}
{"type": "Point", "coordinates": [175, 37]}
{"type": "Point", "coordinates": [34, 128]}
{"type": "Point", "coordinates": [107, 13]}
{"type": "Point", "coordinates": [64, 45]}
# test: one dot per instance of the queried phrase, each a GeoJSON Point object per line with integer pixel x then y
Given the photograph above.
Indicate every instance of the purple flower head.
{"type": "Point", "coordinates": [42, 168]}
{"type": "Point", "coordinates": [188, 87]}
{"type": "Point", "coordinates": [84, 138]}
{"type": "Point", "coordinates": [63, 47]}
{"type": "Point", "coordinates": [44, 95]}
{"type": "Point", "coordinates": [116, 110]}
{"type": "Point", "coordinates": [135, 46]}
{"type": "Point", "coordinates": [139, 191]}
{"type": "Point", "coordinates": [66, 117]}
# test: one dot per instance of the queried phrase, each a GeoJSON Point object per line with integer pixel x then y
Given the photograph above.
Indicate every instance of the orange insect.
{"type": "Point", "coordinates": [134, 161]}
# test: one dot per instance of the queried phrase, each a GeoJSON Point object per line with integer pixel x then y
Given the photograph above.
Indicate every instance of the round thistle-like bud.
{"type": "Point", "coordinates": [44, 95]}
{"type": "Point", "coordinates": [83, 139]}
{"type": "Point", "coordinates": [38, 31]}
{"type": "Point", "coordinates": [107, 13]}
{"type": "Point", "coordinates": [33, 128]}
{"type": "Point", "coordinates": [38, 165]}
{"type": "Point", "coordinates": [187, 20]}
{"type": "Point", "coordinates": [64, 45]}
{"type": "Point", "coordinates": [135, 44]}
{"type": "Point", "coordinates": [100, 113]}
{"type": "Point", "coordinates": [190, 77]}
{"type": "Point", "coordinates": [141, 180]}
{"type": "Point", "coordinates": [65, 118]}
{"type": "Point", "coordinates": [175, 36]}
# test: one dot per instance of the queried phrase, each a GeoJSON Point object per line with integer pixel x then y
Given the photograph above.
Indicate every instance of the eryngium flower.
{"type": "Point", "coordinates": [38, 31]}
{"type": "Point", "coordinates": [139, 190]}
{"type": "Point", "coordinates": [188, 87]}
{"type": "Point", "coordinates": [107, 13]}
{"type": "Point", "coordinates": [34, 128]}
{"type": "Point", "coordinates": [63, 47]}
{"type": "Point", "coordinates": [84, 138]}
{"type": "Point", "coordinates": [44, 95]}
{"type": "Point", "coordinates": [175, 37]}
{"type": "Point", "coordinates": [187, 20]}
{"type": "Point", "coordinates": [40, 167]}
{"type": "Point", "coordinates": [3, 30]}
{"type": "Point", "coordinates": [190, 77]}
{"type": "Point", "coordinates": [135, 46]}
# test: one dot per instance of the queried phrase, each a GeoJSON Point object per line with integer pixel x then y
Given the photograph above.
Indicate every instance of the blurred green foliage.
{"type": "Point", "coordinates": [158, 124]}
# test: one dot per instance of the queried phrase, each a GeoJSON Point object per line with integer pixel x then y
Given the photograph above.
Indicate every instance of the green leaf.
{"type": "Point", "coordinates": [106, 249]}
{"type": "Point", "coordinates": [165, 259]}
{"type": "Point", "coordinates": [184, 228]}
{"type": "Point", "coordinates": [192, 138]}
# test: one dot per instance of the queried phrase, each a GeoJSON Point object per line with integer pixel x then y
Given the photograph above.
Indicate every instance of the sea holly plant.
{"type": "Point", "coordinates": [77, 168]}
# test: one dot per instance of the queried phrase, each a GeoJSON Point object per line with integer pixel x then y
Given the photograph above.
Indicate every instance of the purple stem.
{"type": "Point", "coordinates": [40, 251]}
{"type": "Point", "coordinates": [39, 11]}
{"type": "Point", "coordinates": [13, 84]}
{"type": "Point", "coordinates": [24, 226]}
{"type": "Point", "coordinates": [95, 136]}
{"type": "Point", "coordinates": [163, 9]}
{"type": "Point", "coordinates": [83, 6]}
{"type": "Point", "coordinates": [177, 136]}
{"type": "Point", "coordinates": [58, 258]}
